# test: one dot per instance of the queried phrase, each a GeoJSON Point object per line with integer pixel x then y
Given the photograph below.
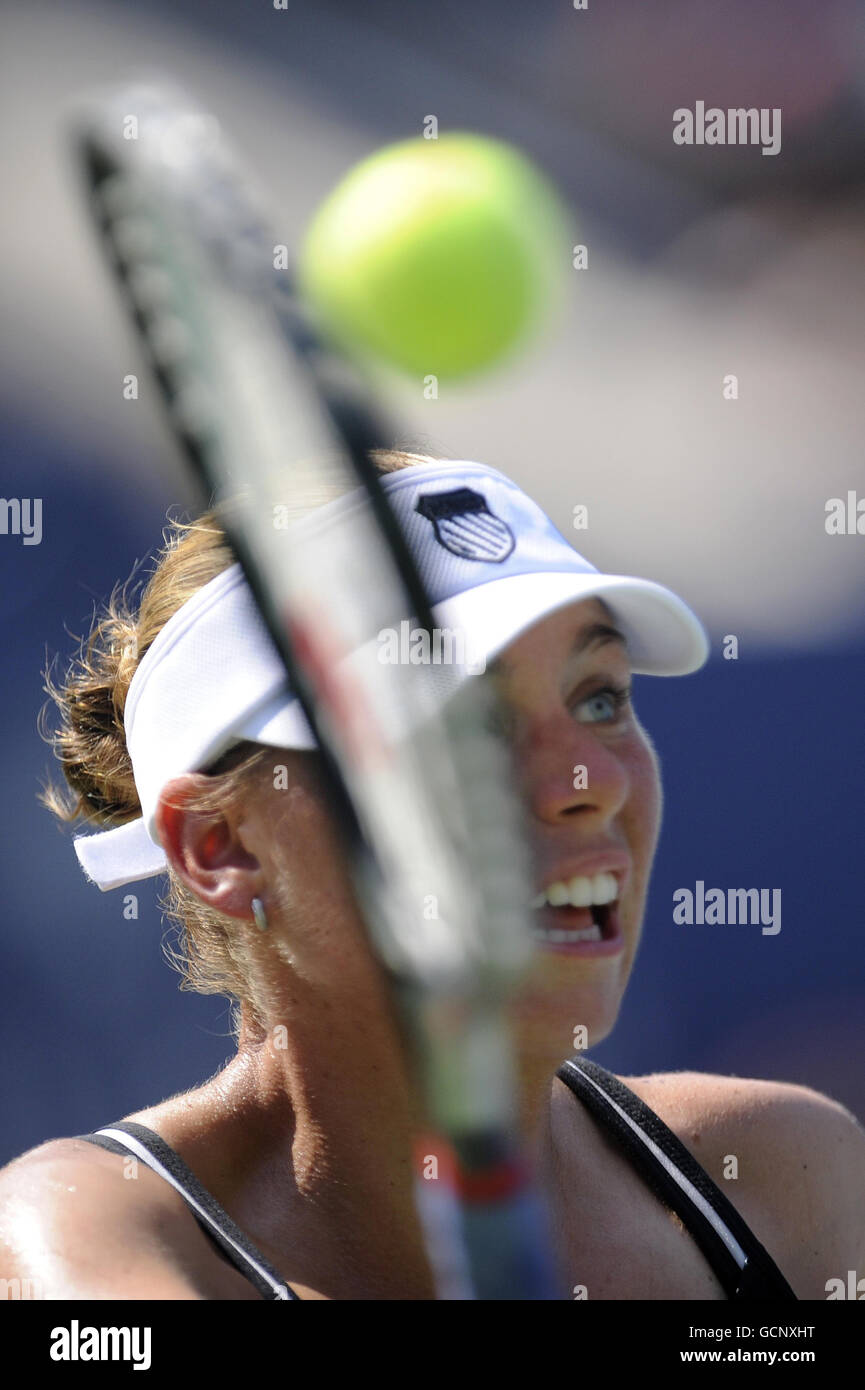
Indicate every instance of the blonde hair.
{"type": "Point", "coordinates": [89, 739]}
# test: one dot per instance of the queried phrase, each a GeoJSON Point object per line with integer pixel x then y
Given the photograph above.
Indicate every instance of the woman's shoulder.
{"type": "Point", "coordinates": [46, 1167]}
{"type": "Point", "coordinates": [789, 1158]}
{"type": "Point", "coordinates": [788, 1116]}
{"type": "Point", "coordinates": [709, 1090]}
{"type": "Point", "coordinates": [71, 1213]}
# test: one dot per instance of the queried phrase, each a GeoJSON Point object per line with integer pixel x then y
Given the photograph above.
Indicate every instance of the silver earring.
{"type": "Point", "coordinates": [258, 914]}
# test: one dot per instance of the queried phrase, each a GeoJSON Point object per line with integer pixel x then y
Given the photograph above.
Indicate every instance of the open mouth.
{"type": "Point", "coordinates": [579, 915]}
{"type": "Point", "coordinates": [595, 930]}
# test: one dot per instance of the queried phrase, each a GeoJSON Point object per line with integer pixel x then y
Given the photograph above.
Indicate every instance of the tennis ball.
{"type": "Point", "coordinates": [436, 256]}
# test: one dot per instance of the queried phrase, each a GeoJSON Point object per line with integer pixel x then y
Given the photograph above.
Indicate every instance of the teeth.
{"type": "Point", "coordinates": [579, 892]}
{"type": "Point", "coordinates": [564, 938]}
{"type": "Point", "coordinates": [558, 895]}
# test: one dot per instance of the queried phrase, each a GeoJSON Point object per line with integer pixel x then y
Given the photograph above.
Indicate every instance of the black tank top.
{"type": "Point", "coordinates": [742, 1266]}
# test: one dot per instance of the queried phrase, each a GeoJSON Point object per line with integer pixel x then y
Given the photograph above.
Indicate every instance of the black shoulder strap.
{"type": "Point", "coordinates": [743, 1267]}
{"type": "Point", "coordinates": [128, 1137]}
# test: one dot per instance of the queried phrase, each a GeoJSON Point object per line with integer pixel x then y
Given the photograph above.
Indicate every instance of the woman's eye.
{"type": "Point", "coordinates": [604, 706]}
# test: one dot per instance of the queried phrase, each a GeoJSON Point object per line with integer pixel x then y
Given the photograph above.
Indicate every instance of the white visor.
{"type": "Point", "coordinates": [492, 564]}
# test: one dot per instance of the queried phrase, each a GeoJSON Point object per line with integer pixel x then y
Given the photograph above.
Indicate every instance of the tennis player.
{"type": "Point", "coordinates": [291, 1173]}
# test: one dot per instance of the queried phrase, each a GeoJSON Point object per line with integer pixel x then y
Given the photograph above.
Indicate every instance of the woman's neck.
{"type": "Point", "coordinates": [307, 1138]}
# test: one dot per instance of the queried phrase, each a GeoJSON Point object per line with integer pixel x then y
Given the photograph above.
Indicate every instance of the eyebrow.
{"type": "Point", "coordinates": [596, 634]}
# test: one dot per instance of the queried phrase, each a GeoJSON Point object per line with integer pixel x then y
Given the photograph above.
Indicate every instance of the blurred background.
{"type": "Point", "coordinates": [702, 262]}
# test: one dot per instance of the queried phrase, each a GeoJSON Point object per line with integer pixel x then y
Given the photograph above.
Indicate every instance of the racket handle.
{"type": "Point", "coordinates": [488, 1230]}
{"type": "Point", "coordinates": [507, 1234]}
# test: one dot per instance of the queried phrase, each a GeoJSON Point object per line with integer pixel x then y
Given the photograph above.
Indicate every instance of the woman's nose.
{"type": "Point", "coordinates": [566, 770]}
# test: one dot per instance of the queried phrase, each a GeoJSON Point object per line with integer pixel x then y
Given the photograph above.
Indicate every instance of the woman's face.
{"type": "Point", "coordinates": [590, 782]}
{"type": "Point", "coordinates": [591, 787]}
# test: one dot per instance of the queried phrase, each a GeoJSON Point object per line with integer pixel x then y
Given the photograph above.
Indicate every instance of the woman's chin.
{"type": "Point", "coordinates": [558, 1012]}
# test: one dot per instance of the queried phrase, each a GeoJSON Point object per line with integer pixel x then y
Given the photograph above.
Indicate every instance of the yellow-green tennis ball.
{"type": "Point", "coordinates": [438, 256]}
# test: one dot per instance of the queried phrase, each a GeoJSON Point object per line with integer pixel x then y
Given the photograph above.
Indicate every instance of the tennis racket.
{"type": "Point", "coordinates": [266, 411]}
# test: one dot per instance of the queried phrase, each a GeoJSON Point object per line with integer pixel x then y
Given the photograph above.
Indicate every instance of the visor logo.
{"type": "Point", "coordinates": [464, 525]}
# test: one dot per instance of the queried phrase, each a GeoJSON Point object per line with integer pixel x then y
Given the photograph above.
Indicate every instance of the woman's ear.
{"type": "Point", "coordinates": [205, 849]}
